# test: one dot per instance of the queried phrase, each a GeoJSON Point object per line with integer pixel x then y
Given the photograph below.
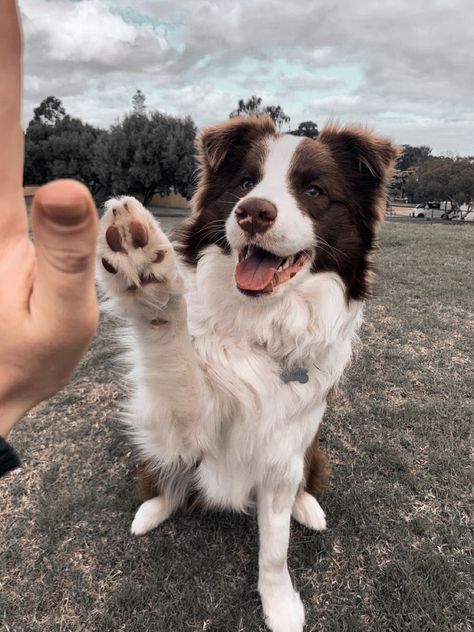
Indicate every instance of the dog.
{"type": "Point", "coordinates": [241, 329]}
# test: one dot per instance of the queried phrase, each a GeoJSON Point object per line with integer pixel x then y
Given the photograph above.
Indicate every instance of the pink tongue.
{"type": "Point", "coordinates": [256, 273]}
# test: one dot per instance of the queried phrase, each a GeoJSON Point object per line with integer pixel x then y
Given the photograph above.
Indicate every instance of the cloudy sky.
{"type": "Point", "coordinates": [404, 67]}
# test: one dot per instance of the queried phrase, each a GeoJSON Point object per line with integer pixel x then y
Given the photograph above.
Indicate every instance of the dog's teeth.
{"type": "Point", "coordinates": [286, 264]}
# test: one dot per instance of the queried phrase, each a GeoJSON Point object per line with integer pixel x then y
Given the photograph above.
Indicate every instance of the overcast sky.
{"type": "Point", "coordinates": [404, 67]}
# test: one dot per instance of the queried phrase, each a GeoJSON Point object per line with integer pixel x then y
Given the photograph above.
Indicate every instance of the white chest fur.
{"type": "Point", "coordinates": [251, 421]}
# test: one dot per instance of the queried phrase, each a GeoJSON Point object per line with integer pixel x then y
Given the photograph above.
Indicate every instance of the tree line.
{"type": "Point", "coordinates": [143, 154]}
{"type": "Point", "coordinates": [148, 152]}
{"type": "Point", "coordinates": [422, 177]}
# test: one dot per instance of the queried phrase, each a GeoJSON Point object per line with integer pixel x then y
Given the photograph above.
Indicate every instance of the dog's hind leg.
{"type": "Point", "coordinates": [306, 509]}
{"type": "Point", "coordinates": [150, 514]}
{"type": "Point", "coordinates": [161, 495]}
{"type": "Point", "coordinates": [308, 512]}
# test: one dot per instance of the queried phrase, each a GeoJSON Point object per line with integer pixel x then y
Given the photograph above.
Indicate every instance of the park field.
{"type": "Point", "coordinates": [397, 554]}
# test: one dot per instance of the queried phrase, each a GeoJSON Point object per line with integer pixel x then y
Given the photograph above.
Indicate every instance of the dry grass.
{"type": "Point", "coordinates": [396, 555]}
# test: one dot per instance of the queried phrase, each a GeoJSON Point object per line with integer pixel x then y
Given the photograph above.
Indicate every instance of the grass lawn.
{"type": "Point", "coordinates": [396, 555]}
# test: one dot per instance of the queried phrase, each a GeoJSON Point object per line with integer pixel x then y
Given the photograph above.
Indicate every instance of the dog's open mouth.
{"type": "Point", "coordinates": [260, 271]}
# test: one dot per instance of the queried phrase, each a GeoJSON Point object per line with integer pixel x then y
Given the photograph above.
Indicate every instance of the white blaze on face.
{"type": "Point", "coordinates": [292, 230]}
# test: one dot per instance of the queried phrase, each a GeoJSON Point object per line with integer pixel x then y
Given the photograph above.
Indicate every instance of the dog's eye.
{"type": "Point", "coordinates": [313, 191]}
{"type": "Point", "coordinates": [247, 184]}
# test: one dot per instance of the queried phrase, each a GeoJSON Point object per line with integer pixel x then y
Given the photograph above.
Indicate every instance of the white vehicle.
{"type": "Point", "coordinates": [435, 210]}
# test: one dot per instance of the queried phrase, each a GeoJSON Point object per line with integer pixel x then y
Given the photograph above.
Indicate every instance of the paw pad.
{"type": "Point", "coordinates": [113, 239]}
{"type": "Point", "coordinates": [139, 234]}
{"type": "Point", "coordinates": [132, 248]}
{"type": "Point", "coordinates": [108, 266]}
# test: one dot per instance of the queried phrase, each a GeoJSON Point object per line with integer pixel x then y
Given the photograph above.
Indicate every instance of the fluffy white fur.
{"type": "Point", "coordinates": [206, 385]}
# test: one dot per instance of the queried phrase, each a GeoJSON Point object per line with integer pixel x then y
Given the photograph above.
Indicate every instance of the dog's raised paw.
{"type": "Point", "coordinates": [308, 512]}
{"type": "Point", "coordinates": [133, 250]}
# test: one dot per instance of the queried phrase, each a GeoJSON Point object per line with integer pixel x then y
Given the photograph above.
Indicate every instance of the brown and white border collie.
{"type": "Point", "coordinates": [242, 328]}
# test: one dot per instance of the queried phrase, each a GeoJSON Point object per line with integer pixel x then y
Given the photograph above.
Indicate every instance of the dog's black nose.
{"type": "Point", "coordinates": [256, 215]}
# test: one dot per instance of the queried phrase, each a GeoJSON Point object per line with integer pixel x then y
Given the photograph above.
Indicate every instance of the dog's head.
{"type": "Point", "coordinates": [285, 206]}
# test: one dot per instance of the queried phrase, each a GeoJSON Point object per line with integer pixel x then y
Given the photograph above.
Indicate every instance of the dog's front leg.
{"type": "Point", "coordinates": [282, 605]}
{"type": "Point", "coordinates": [139, 274]}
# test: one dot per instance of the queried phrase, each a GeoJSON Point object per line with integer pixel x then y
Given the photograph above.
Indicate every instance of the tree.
{"type": "Point", "coordinates": [178, 163]}
{"type": "Point", "coordinates": [413, 156]}
{"type": "Point", "coordinates": [410, 160]}
{"type": "Point", "coordinates": [60, 147]}
{"type": "Point", "coordinates": [70, 147]}
{"type": "Point", "coordinates": [144, 155]}
{"type": "Point", "coordinates": [37, 156]}
{"type": "Point", "coordinates": [442, 178]}
{"type": "Point", "coordinates": [49, 111]}
{"type": "Point", "coordinates": [253, 106]}
{"type": "Point", "coordinates": [278, 115]}
{"type": "Point", "coordinates": [308, 129]}
{"type": "Point", "coordinates": [138, 103]}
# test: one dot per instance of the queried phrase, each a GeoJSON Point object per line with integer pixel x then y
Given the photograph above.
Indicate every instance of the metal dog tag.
{"type": "Point", "coordinates": [296, 374]}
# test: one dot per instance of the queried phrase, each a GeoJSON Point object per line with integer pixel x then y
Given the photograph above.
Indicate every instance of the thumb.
{"type": "Point", "coordinates": [65, 224]}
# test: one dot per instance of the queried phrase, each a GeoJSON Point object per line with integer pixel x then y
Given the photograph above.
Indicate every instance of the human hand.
{"type": "Point", "coordinates": [48, 306]}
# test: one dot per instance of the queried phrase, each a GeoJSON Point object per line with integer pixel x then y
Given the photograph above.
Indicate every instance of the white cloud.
{"type": "Point", "coordinates": [87, 33]}
{"type": "Point", "coordinates": [414, 60]}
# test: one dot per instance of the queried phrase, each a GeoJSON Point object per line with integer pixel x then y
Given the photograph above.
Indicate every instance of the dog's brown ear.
{"type": "Point", "coordinates": [367, 157]}
{"type": "Point", "coordinates": [218, 142]}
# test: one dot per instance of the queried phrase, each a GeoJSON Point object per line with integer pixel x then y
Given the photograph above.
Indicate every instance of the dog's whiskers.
{"type": "Point", "coordinates": [330, 250]}
{"type": "Point", "coordinates": [212, 234]}
{"type": "Point", "coordinates": [214, 223]}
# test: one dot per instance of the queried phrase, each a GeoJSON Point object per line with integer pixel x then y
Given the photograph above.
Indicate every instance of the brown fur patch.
{"type": "Point", "coordinates": [350, 168]}
{"type": "Point", "coordinates": [231, 139]}
{"type": "Point", "coordinates": [146, 480]}
{"type": "Point", "coordinates": [157, 322]}
{"type": "Point", "coordinates": [332, 393]}
{"type": "Point", "coordinates": [316, 468]}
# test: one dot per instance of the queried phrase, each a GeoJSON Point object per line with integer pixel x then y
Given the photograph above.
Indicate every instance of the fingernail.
{"type": "Point", "coordinates": [65, 212]}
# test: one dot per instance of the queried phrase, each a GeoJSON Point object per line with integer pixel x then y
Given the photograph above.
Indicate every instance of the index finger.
{"type": "Point", "coordinates": [12, 208]}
